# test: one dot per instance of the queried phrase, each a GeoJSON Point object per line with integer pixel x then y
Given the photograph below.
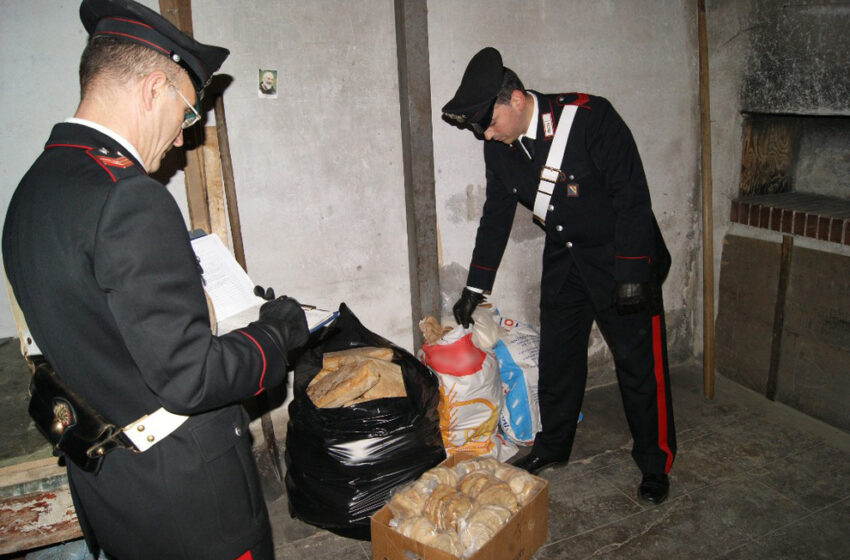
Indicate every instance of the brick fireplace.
{"type": "Point", "coordinates": [795, 176]}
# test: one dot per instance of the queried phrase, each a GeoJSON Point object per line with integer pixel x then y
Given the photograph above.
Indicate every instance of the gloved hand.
{"type": "Point", "coordinates": [284, 319]}
{"type": "Point", "coordinates": [630, 298]}
{"type": "Point", "coordinates": [464, 307]}
{"type": "Point", "coordinates": [265, 293]}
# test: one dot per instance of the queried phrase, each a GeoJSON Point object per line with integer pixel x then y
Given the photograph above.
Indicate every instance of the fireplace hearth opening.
{"type": "Point", "coordinates": [795, 175]}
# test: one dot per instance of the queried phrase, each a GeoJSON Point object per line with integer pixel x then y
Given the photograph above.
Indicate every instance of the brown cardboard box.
{"type": "Point", "coordinates": [517, 540]}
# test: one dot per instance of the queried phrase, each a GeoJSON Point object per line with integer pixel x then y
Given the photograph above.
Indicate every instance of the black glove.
{"type": "Point", "coordinates": [265, 293]}
{"type": "Point", "coordinates": [630, 298]}
{"type": "Point", "coordinates": [464, 307]}
{"type": "Point", "coordinates": [284, 319]}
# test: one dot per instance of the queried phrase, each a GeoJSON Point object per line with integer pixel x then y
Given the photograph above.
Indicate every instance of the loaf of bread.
{"type": "Point", "coordinates": [482, 523]}
{"type": "Point", "coordinates": [434, 503]}
{"type": "Point", "coordinates": [453, 508]}
{"type": "Point", "coordinates": [333, 360]}
{"type": "Point", "coordinates": [356, 375]}
{"type": "Point", "coordinates": [390, 382]}
{"type": "Point", "coordinates": [422, 530]}
{"type": "Point", "coordinates": [441, 475]}
{"type": "Point", "coordinates": [342, 385]}
{"type": "Point", "coordinates": [498, 494]}
{"type": "Point", "coordinates": [505, 472]}
{"type": "Point", "coordinates": [475, 482]}
{"type": "Point", "coordinates": [525, 487]}
{"type": "Point", "coordinates": [409, 501]}
{"type": "Point", "coordinates": [446, 541]}
{"type": "Point", "coordinates": [477, 464]}
{"type": "Point", "coordinates": [432, 330]}
{"type": "Point", "coordinates": [417, 528]}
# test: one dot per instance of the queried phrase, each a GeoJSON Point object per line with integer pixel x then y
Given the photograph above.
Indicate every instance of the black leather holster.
{"type": "Point", "coordinates": [76, 431]}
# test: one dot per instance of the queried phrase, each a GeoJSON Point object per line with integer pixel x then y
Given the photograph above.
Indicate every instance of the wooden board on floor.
{"type": "Point", "coordinates": [37, 519]}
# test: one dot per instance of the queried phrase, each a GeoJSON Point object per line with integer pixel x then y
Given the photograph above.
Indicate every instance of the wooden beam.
{"type": "Point", "coordinates": [411, 19]}
{"type": "Point", "coordinates": [179, 13]}
{"type": "Point", "coordinates": [213, 186]}
{"type": "Point", "coordinates": [707, 208]}
{"type": "Point", "coordinates": [229, 184]}
{"type": "Point", "coordinates": [195, 177]}
{"type": "Point", "coordinates": [779, 317]}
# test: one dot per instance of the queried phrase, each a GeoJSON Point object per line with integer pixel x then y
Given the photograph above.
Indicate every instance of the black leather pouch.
{"type": "Point", "coordinates": [75, 430]}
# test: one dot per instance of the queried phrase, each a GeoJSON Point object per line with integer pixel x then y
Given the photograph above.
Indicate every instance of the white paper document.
{"type": "Point", "coordinates": [232, 291]}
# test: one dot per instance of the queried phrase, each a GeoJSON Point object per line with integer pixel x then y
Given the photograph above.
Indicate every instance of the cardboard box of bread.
{"type": "Point", "coordinates": [468, 508]}
{"type": "Point", "coordinates": [356, 375]}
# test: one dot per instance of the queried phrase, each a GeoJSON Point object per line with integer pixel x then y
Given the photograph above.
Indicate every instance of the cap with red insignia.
{"type": "Point", "coordinates": [473, 102]}
{"type": "Point", "coordinates": [129, 20]}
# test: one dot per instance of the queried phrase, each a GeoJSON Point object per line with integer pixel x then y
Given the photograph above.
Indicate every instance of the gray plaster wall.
{"type": "Point", "coordinates": [642, 56]}
{"type": "Point", "coordinates": [318, 170]}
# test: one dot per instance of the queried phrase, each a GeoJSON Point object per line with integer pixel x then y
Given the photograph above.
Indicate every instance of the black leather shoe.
{"type": "Point", "coordinates": [534, 464]}
{"type": "Point", "coordinates": [653, 488]}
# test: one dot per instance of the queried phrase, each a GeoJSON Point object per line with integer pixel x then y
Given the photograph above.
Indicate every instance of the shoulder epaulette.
{"type": "Point", "coordinates": [117, 165]}
{"type": "Point", "coordinates": [579, 99]}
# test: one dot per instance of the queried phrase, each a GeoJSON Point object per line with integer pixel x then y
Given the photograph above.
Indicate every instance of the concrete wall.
{"type": "Point", "coordinates": [642, 56]}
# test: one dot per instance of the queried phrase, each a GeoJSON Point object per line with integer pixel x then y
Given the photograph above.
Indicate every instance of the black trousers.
{"type": "Point", "coordinates": [263, 550]}
{"type": "Point", "coordinates": [638, 343]}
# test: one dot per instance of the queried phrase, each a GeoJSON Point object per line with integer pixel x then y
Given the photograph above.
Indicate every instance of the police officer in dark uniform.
{"type": "Point", "coordinates": [99, 259]}
{"type": "Point", "coordinates": [604, 258]}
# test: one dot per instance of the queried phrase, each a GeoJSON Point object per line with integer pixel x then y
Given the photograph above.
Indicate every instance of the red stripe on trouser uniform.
{"type": "Point", "coordinates": [246, 556]}
{"type": "Point", "coordinates": [661, 396]}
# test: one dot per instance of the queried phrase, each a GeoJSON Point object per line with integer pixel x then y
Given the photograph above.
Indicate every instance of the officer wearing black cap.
{"type": "Point", "coordinates": [572, 160]}
{"type": "Point", "coordinates": [98, 257]}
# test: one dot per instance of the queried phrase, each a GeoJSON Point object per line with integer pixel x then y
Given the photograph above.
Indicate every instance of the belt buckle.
{"type": "Point", "coordinates": [559, 175]}
{"type": "Point", "coordinates": [113, 438]}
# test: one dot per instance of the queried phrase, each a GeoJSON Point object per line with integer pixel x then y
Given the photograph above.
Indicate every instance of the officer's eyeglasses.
{"type": "Point", "coordinates": [477, 128]}
{"type": "Point", "coordinates": [189, 117]}
{"type": "Point", "coordinates": [483, 124]}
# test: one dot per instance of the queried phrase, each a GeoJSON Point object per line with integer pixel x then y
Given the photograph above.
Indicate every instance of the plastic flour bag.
{"type": "Point", "coordinates": [516, 352]}
{"type": "Point", "coordinates": [470, 390]}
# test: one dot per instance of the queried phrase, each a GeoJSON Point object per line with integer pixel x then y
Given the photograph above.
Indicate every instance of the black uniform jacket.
{"type": "Point", "coordinates": [600, 208]}
{"type": "Point", "coordinates": [99, 259]}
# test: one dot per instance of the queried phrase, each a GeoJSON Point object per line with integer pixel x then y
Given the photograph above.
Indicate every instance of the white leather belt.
{"type": "Point", "coordinates": [152, 428]}
{"type": "Point", "coordinates": [145, 432]}
{"type": "Point", "coordinates": [551, 172]}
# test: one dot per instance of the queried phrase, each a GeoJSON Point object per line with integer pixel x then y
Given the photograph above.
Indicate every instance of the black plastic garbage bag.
{"type": "Point", "coordinates": [342, 463]}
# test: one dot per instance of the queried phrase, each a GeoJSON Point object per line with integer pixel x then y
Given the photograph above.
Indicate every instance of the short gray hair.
{"type": "Point", "coordinates": [120, 60]}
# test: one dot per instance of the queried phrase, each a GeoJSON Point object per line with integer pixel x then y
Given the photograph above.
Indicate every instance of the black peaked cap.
{"type": "Point", "coordinates": [125, 19]}
{"type": "Point", "coordinates": [481, 82]}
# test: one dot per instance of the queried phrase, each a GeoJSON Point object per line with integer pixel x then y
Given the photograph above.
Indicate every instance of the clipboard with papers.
{"type": "Point", "coordinates": [231, 290]}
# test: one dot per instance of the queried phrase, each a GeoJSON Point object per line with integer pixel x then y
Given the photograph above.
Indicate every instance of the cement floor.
{"type": "Point", "coordinates": [752, 479]}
